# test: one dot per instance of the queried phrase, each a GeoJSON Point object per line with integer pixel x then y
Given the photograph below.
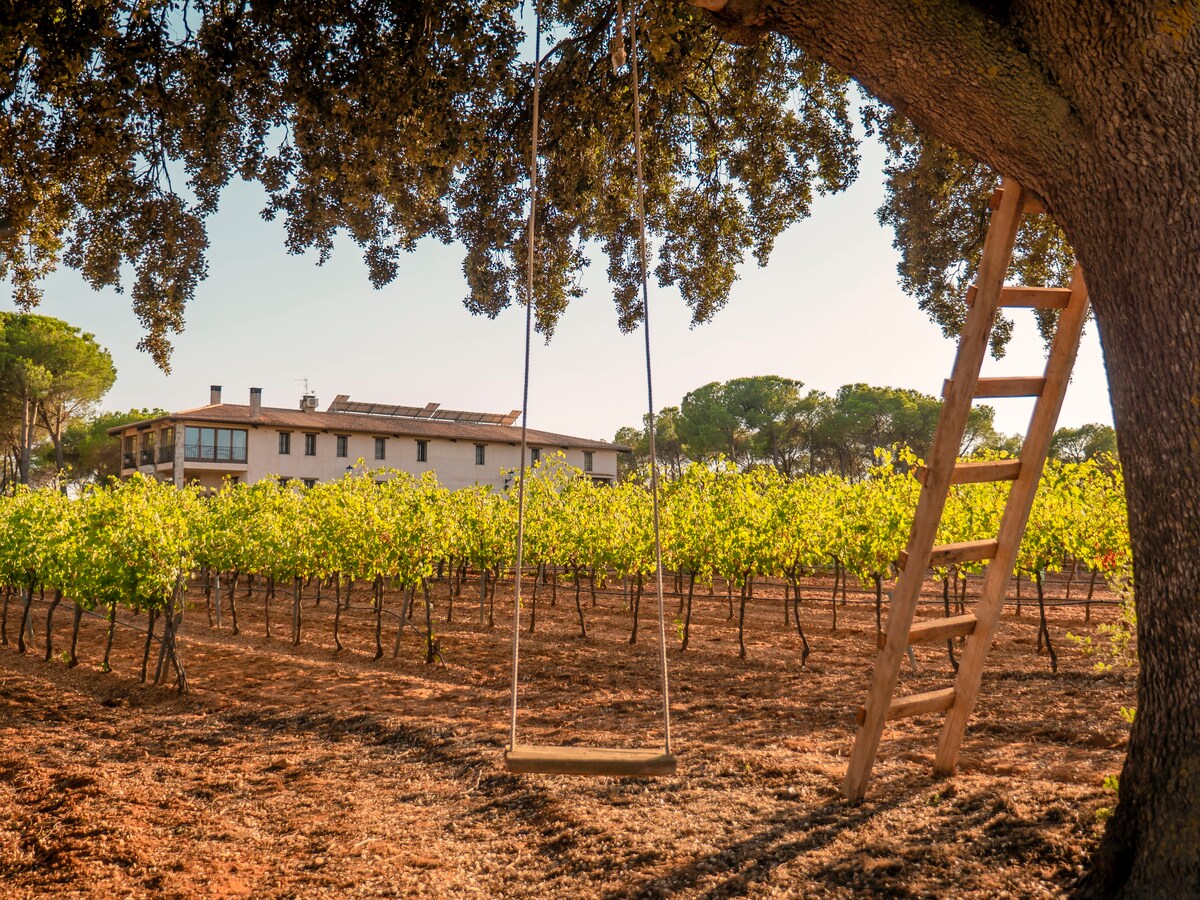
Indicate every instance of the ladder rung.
{"type": "Point", "coordinates": [950, 554]}
{"type": "Point", "coordinates": [940, 629]}
{"type": "Point", "coordinates": [937, 630]}
{"type": "Point", "coordinates": [546, 760]}
{"type": "Point", "coordinates": [1032, 206]}
{"type": "Point", "coordinates": [982, 470]}
{"type": "Point", "coordinates": [914, 705]}
{"type": "Point", "coordinates": [1020, 297]}
{"type": "Point", "coordinates": [1010, 387]}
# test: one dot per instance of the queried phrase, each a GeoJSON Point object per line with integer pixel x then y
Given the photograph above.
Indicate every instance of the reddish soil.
{"type": "Point", "coordinates": [302, 772]}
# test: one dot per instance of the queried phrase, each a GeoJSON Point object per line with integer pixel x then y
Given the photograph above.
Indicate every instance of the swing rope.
{"type": "Point", "coordinates": [650, 423]}
{"type": "Point", "coordinates": [618, 54]}
{"type": "Point", "coordinates": [533, 198]}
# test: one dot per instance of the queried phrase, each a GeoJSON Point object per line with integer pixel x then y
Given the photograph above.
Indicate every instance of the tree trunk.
{"type": "Point", "coordinates": [337, 611]}
{"type": "Point", "coordinates": [742, 618]}
{"type": "Point", "coordinates": [379, 617]}
{"type": "Point", "coordinates": [72, 658]}
{"type": "Point", "coordinates": [492, 598]}
{"type": "Point", "coordinates": [233, 603]}
{"type": "Point", "coordinates": [207, 596]}
{"type": "Point", "coordinates": [687, 621]}
{"type": "Point", "coordinates": [537, 576]}
{"type": "Point", "coordinates": [112, 630]}
{"type": "Point", "coordinates": [268, 596]}
{"type": "Point", "coordinates": [4, 617]}
{"type": "Point", "coordinates": [483, 580]}
{"type": "Point", "coordinates": [28, 427]}
{"type": "Point", "coordinates": [878, 579]}
{"type": "Point", "coordinates": [217, 596]}
{"type": "Point", "coordinates": [1145, 279]}
{"type": "Point", "coordinates": [50, 624]}
{"type": "Point", "coordinates": [799, 625]}
{"type": "Point", "coordinates": [946, 604]}
{"type": "Point", "coordinates": [26, 615]}
{"type": "Point", "coordinates": [430, 642]}
{"type": "Point", "coordinates": [1043, 630]}
{"type": "Point", "coordinates": [637, 608]}
{"type": "Point", "coordinates": [296, 612]}
{"type": "Point", "coordinates": [579, 606]}
{"type": "Point", "coordinates": [151, 619]}
{"type": "Point", "coordinates": [1087, 603]}
{"type": "Point", "coordinates": [837, 572]}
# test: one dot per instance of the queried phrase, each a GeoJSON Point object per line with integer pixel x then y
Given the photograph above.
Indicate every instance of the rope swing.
{"type": "Point", "coordinates": [589, 760]}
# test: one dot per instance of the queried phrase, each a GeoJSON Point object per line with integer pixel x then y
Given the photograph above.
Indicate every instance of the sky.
{"type": "Point", "coordinates": [827, 310]}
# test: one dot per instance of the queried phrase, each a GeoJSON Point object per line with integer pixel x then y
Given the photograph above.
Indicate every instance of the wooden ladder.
{"type": "Point", "coordinates": [943, 470]}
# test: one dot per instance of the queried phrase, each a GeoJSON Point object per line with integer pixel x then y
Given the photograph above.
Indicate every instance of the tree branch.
{"type": "Point", "coordinates": [958, 73]}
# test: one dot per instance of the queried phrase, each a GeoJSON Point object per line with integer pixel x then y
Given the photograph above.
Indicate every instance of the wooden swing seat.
{"type": "Point", "coordinates": [544, 760]}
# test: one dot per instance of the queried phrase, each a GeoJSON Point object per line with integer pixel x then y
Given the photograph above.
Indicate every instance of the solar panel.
{"type": "Point", "coordinates": [430, 411]}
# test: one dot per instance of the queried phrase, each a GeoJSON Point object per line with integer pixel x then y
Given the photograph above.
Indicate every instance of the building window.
{"type": "Point", "coordinates": [147, 458]}
{"type": "Point", "coordinates": [310, 445]}
{"type": "Point", "coordinates": [283, 480]}
{"type": "Point", "coordinates": [480, 454]}
{"type": "Point", "coordinates": [380, 448]}
{"type": "Point", "coordinates": [285, 443]}
{"type": "Point", "coordinates": [130, 459]}
{"type": "Point", "coordinates": [310, 482]}
{"type": "Point", "coordinates": [166, 445]}
{"type": "Point", "coordinates": [422, 451]}
{"type": "Point", "coordinates": [343, 445]}
{"type": "Point", "coordinates": [215, 444]}
{"type": "Point", "coordinates": [535, 455]}
{"type": "Point", "coordinates": [589, 459]}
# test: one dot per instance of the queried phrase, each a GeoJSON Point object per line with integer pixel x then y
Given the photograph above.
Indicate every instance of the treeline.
{"type": "Point", "coordinates": [769, 420]}
{"type": "Point", "coordinates": [52, 376]}
{"type": "Point", "coordinates": [136, 544]}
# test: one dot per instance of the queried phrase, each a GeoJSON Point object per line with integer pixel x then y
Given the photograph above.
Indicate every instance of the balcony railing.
{"type": "Point", "coordinates": [129, 461]}
{"type": "Point", "coordinates": [166, 453]}
{"type": "Point", "coordinates": [147, 458]}
{"type": "Point", "coordinates": [202, 453]}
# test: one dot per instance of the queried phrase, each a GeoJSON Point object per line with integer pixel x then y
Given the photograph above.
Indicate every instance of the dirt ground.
{"type": "Point", "coordinates": [306, 772]}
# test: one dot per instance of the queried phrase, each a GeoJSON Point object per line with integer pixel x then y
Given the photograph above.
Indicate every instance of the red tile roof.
{"type": "Point", "coordinates": [298, 420]}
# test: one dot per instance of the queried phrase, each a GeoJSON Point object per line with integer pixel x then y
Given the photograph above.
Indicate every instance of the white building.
{"type": "Point", "coordinates": [250, 442]}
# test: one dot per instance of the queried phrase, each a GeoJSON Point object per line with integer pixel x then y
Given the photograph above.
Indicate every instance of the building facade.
{"type": "Point", "coordinates": [251, 442]}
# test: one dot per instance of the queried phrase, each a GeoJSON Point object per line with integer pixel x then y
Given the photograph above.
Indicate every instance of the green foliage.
{"type": "Point", "coordinates": [1091, 441]}
{"type": "Point", "coordinates": [121, 123]}
{"type": "Point", "coordinates": [132, 542]}
{"type": "Point", "coordinates": [91, 455]}
{"type": "Point", "coordinates": [767, 420]}
{"type": "Point", "coordinates": [937, 202]}
{"type": "Point", "coordinates": [50, 375]}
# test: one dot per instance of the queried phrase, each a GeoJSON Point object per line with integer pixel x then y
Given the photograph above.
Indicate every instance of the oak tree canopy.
{"type": "Point", "coordinates": [390, 122]}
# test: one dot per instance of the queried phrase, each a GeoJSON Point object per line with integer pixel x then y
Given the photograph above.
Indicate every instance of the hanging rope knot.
{"type": "Point", "coordinates": [616, 49]}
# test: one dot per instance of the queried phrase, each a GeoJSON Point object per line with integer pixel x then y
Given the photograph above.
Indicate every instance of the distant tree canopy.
{"type": "Point", "coordinates": [89, 454]}
{"type": "Point", "coordinates": [1086, 442]}
{"type": "Point", "coordinates": [51, 375]}
{"type": "Point", "coordinates": [769, 420]}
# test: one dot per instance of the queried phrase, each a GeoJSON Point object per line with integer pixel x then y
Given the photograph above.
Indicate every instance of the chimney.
{"type": "Point", "coordinates": [214, 395]}
{"type": "Point", "coordinates": [255, 402]}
